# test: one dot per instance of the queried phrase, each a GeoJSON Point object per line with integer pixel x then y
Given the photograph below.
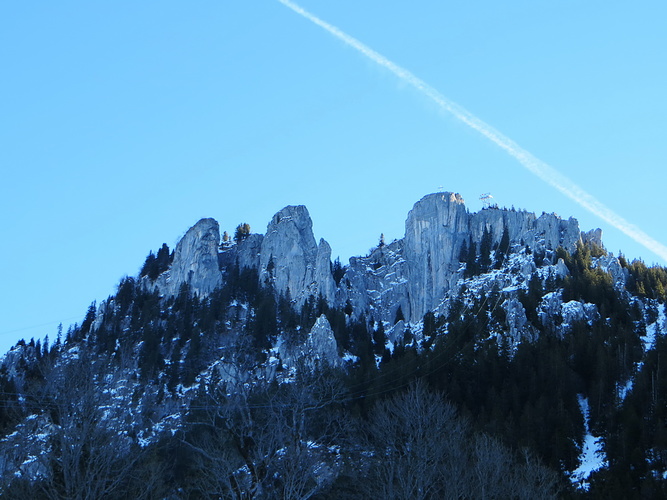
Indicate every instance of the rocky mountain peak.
{"type": "Point", "coordinates": [291, 259]}
{"type": "Point", "coordinates": [195, 260]}
{"type": "Point", "coordinates": [414, 274]}
{"type": "Point", "coordinates": [434, 231]}
{"type": "Point", "coordinates": [466, 295]}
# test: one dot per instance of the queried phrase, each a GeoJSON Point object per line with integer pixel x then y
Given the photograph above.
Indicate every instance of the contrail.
{"type": "Point", "coordinates": [542, 170]}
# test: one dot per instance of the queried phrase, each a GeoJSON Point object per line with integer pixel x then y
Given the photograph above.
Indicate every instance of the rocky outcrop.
{"type": "Point", "coordinates": [291, 260]}
{"type": "Point", "coordinates": [435, 229]}
{"type": "Point", "coordinates": [574, 310]}
{"type": "Point", "coordinates": [323, 277]}
{"type": "Point", "coordinates": [418, 271]}
{"type": "Point", "coordinates": [376, 285]}
{"type": "Point", "coordinates": [248, 251]}
{"type": "Point", "coordinates": [321, 346]}
{"type": "Point", "coordinates": [415, 273]}
{"type": "Point", "coordinates": [593, 236]}
{"type": "Point", "coordinates": [548, 231]}
{"type": "Point", "coordinates": [612, 265]}
{"type": "Point", "coordinates": [515, 319]}
{"type": "Point", "coordinates": [243, 254]}
{"type": "Point", "coordinates": [195, 261]}
{"type": "Point", "coordinates": [438, 226]}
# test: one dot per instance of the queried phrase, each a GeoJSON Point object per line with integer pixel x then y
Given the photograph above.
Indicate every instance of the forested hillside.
{"type": "Point", "coordinates": [536, 374]}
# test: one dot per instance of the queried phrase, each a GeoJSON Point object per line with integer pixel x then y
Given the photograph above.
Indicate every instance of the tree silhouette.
{"type": "Point", "coordinates": [242, 232]}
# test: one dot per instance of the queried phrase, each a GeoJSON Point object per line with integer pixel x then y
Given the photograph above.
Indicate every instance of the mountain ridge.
{"type": "Point", "coordinates": [546, 346]}
{"type": "Point", "coordinates": [436, 229]}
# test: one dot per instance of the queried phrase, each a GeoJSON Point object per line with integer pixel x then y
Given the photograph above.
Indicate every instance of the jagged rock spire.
{"type": "Point", "coordinates": [195, 260]}
{"type": "Point", "coordinates": [292, 260]}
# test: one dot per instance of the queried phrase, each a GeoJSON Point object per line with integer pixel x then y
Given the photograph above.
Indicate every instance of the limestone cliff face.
{"type": "Point", "coordinates": [244, 254]}
{"type": "Point", "coordinates": [195, 261]}
{"type": "Point", "coordinates": [592, 236]}
{"type": "Point", "coordinates": [418, 271]}
{"type": "Point", "coordinates": [415, 273]}
{"type": "Point", "coordinates": [434, 232]}
{"type": "Point", "coordinates": [287, 256]}
{"type": "Point", "coordinates": [323, 277]}
{"type": "Point", "coordinates": [248, 251]}
{"type": "Point", "coordinates": [538, 233]}
{"type": "Point", "coordinates": [290, 258]}
{"type": "Point", "coordinates": [376, 285]}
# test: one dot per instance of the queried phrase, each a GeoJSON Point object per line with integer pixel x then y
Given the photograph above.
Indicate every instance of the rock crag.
{"type": "Point", "coordinates": [407, 277]}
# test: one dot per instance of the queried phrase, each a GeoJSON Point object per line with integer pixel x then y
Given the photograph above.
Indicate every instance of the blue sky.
{"type": "Point", "coordinates": [123, 123]}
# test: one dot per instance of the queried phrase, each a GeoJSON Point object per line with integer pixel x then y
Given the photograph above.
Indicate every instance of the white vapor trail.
{"type": "Point", "coordinates": [542, 170]}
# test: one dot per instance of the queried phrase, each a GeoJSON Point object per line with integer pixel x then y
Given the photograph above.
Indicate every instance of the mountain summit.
{"type": "Point", "coordinates": [416, 272]}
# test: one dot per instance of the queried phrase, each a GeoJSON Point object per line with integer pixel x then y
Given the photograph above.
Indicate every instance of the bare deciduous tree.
{"type": "Point", "coordinates": [267, 441]}
{"type": "Point", "coordinates": [423, 450]}
{"type": "Point", "coordinates": [88, 458]}
{"type": "Point", "coordinates": [418, 443]}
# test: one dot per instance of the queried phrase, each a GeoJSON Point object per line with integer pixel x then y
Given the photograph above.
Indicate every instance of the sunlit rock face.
{"type": "Point", "coordinates": [291, 259]}
{"type": "Point", "coordinates": [414, 274]}
{"type": "Point", "coordinates": [435, 229]}
{"type": "Point", "coordinates": [548, 231]}
{"type": "Point", "coordinates": [196, 260]}
{"type": "Point", "coordinates": [418, 271]}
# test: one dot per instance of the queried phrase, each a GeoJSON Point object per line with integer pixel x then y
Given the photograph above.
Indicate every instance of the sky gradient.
{"type": "Point", "coordinates": [121, 125]}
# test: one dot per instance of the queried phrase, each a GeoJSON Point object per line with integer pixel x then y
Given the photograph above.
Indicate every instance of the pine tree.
{"type": "Point", "coordinates": [503, 248]}
{"type": "Point", "coordinates": [162, 261]}
{"type": "Point", "coordinates": [59, 336]}
{"type": "Point", "coordinates": [429, 330]}
{"type": "Point", "coordinates": [337, 270]}
{"type": "Point", "coordinates": [149, 264]}
{"type": "Point", "coordinates": [45, 346]}
{"type": "Point", "coordinates": [242, 232]}
{"type": "Point", "coordinates": [88, 320]}
{"type": "Point", "coordinates": [463, 253]}
{"type": "Point", "coordinates": [485, 251]}
{"type": "Point", "coordinates": [379, 338]}
{"type": "Point", "coordinates": [472, 266]}
{"type": "Point", "coordinates": [531, 298]}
